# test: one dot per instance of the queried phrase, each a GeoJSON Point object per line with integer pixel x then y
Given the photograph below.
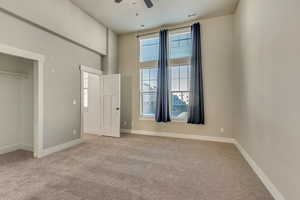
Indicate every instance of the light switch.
{"type": "Point", "coordinates": [74, 102]}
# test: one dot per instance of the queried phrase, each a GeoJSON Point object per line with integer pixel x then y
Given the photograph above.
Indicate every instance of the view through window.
{"type": "Point", "coordinates": [180, 45]}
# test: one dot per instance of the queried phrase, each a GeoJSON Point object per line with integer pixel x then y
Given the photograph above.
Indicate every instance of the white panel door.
{"type": "Point", "coordinates": [110, 105]}
{"type": "Point", "coordinates": [92, 109]}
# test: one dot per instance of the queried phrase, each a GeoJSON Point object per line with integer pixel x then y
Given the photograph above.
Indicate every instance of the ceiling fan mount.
{"type": "Point", "coordinates": [148, 3]}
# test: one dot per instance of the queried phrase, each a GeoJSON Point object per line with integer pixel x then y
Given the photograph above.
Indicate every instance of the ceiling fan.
{"type": "Point", "coordinates": [148, 3]}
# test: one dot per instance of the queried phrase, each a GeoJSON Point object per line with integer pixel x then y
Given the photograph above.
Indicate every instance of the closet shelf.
{"type": "Point", "coordinates": [13, 74]}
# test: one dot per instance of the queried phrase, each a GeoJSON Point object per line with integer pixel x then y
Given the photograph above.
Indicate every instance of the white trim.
{"type": "Point", "coordinates": [38, 122]}
{"type": "Point", "coordinates": [21, 53]}
{"type": "Point", "coordinates": [61, 147]}
{"type": "Point", "coordinates": [90, 70]}
{"type": "Point", "coordinates": [179, 135]}
{"type": "Point", "coordinates": [15, 147]}
{"type": "Point", "coordinates": [9, 148]}
{"type": "Point", "coordinates": [260, 173]}
{"type": "Point", "coordinates": [48, 151]}
{"type": "Point", "coordinates": [26, 147]}
{"type": "Point", "coordinates": [83, 69]}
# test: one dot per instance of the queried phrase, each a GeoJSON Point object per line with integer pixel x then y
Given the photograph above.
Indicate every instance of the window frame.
{"type": "Point", "coordinates": [185, 61]}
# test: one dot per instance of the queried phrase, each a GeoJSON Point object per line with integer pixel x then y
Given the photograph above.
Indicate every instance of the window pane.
{"type": "Point", "coordinates": [175, 72]}
{"type": "Point", "coordinates": [189, 85]}
{"type": "Point", "coordinates": [146, 86]}
{"type": "Point", "coordinates": [148, 91]}
{"type": "Point", "coordinates": [180, 105]}
{"type": "Point", "coordinates": [153, 85]}
{"type": "Point", "coordinates": [85, 98]}
{"type": "Point", "coordinates": [180, 45]}
{"type": "Point", "coordinates": [184, 84]}
{"type": "Point", "coordinates": [175, 84]}
{"type": "Point", "coordinates": [145, 74]}
{"type": "Point", "coordinates": [186, 97]}
{"type": "Point", "coordinates": [153, 74]}
{"type": "Point", "coordinates": [149, 49]}
{"type": "Point", "coordinates": [149, 79]}
{"type": "Point", "coordinates": [149, 103]}
{"type": "Point", "coordinates": [188, 78]}
{"type": "Point", "coordinates": [184, 71]}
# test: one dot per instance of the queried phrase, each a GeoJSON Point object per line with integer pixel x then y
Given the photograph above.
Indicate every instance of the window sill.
{"type": "Point", "coordinates": [152, 119]}
{"type": "Point", "coordinates": [142, 118]}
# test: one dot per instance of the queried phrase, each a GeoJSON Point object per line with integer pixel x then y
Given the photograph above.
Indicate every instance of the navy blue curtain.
{"type": "Point", "coordinates": [196, 104]}
{"type": "Point", "coordinates": [162, 99]}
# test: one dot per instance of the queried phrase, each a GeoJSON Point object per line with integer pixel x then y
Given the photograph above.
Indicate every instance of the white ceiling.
{"type": "Point", "coordinates": [122, 18]}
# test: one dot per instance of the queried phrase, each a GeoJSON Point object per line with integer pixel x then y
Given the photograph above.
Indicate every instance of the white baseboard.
{"type": "Point", "coordinates": [60, 147]}
{"type": "Point", "coordinates": [9, 148]}
{"type": "Point", "coordinates": [179, 135]}
{"type": "Point", "coordinates": [15, 147]}
{"type": "Point", "coordinates": [26, 147]}
{"type": "Point", "coordinates": [260, 173]}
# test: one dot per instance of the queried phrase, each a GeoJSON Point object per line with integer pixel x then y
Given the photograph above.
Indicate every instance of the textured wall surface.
{"type": "Point", "coordinates": [267, 81]}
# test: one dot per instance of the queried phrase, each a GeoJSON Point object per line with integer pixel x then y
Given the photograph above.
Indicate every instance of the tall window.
{"type": "Point", "coordinates": [148, 91]}
{"type": "Point", "coordinates": [180, 46]}
{"type": "Point", "coordinates": [148, 75]}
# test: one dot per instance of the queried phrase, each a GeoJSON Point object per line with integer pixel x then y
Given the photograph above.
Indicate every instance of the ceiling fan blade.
{"type": "Point", "coordinates": [148, 3]}
{"type": "Point", "coordinates": [118, 1]}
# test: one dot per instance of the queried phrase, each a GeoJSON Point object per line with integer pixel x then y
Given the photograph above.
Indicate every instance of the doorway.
{"type": "Point", "coordinates": [100, 103]}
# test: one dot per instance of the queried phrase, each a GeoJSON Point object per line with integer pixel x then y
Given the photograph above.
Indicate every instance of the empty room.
{"type": "Point", "coordinates": [149, 100]}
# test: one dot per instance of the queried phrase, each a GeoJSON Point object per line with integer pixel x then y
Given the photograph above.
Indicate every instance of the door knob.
{"type": "Point", "coordinates": [117, 108]}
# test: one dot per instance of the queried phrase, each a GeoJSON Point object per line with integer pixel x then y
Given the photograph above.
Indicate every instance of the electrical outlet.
{"type": "Point", "coordinates": [74, 131]}
{"type": "Point", "coordinates": [124, 123]}
{"type": "Point", "coordinates": [74, 102]}
{"type": "Point", "coordinates": [222, 130]}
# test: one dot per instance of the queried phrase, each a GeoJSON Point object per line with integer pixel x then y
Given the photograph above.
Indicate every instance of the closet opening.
{"type": "Point", "coordinates": [16, 104]}
{"type": "Point", "coordinates": [21, 101]}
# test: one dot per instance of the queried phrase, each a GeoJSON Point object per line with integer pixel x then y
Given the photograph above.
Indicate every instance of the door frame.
{"type": "Point", "coordinates": [84, 68]}
{"type": "Point", "coordinates": [38, 94]}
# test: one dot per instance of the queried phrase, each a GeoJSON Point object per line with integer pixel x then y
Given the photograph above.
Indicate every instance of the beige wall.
{"type": "Point", "coordinates": [218, 76]}
{"type": "Point", "coordinates": [63, 18]}
{"type": "Point", "coordinates": [61, 75]}
{"type": "Point", "coordinates": [267, 72]}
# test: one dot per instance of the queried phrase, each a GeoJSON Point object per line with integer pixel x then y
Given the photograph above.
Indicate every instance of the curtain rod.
{"type": "Point", "coordinates": [154, 32]}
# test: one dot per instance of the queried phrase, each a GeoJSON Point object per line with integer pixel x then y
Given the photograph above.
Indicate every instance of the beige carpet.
{"type": "Point", "coordinates": [132, 168]}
